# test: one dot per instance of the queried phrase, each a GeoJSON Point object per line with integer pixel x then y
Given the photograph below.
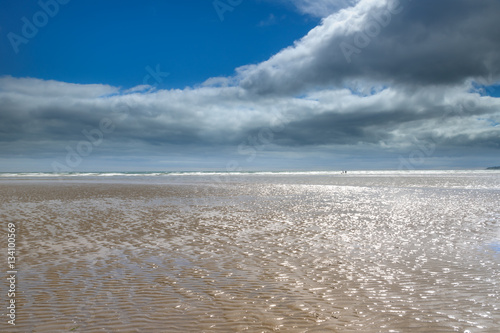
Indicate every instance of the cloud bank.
{"type": "Point", "coordinates": [393, 42]}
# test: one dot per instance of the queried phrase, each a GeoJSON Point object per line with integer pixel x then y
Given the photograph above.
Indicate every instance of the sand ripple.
{"type": "Point", "coordinates": [254, 257]}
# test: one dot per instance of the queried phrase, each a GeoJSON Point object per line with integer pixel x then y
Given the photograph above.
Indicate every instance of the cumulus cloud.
{"type": "Point", "coordinates": [211, 116]}
{"type": "Point", "coordinates": [51, 88]}
{"type": "Point", "coordinates": [392, 41]}
{"type": "Point", "coordinates": [321, 8]}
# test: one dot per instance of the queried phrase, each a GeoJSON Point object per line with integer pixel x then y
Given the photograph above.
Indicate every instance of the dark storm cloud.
{"type": "Point", "coordinates": [382, 126]}
{"type": "Point", "coordinates": [45, 122]}
{"type": "Point", "coordinates": [66, 123]}
{"type": "Point", "coordinates": [343, 129]}
{"type": "Point", "coordinates": [200, 117]}
{"type": "Point", "coordinates": [400, 42]}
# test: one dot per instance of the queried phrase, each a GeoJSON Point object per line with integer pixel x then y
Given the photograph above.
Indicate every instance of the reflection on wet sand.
{"type": "Point", "coordinates": [254, 257]}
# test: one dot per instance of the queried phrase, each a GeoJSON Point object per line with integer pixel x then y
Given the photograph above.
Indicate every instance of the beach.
{"type": "Point", "coordinates": [254, 252]}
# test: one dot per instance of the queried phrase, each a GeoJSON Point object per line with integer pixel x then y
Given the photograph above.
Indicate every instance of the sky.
{"type": "Point", "coordinates": [248, 85]}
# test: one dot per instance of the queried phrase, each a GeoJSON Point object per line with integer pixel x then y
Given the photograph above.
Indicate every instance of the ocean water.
{"type": "Point", "coordinates": [385, 251]}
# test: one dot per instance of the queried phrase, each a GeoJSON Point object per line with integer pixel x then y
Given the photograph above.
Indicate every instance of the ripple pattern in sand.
{"type": "Point", "coordinates": [267, 257]}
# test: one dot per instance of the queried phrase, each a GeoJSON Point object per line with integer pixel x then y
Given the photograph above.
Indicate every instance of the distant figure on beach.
{"type": "Point", "coordinates": [343, 172]}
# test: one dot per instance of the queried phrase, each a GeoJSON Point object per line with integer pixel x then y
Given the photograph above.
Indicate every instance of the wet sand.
{"type": "Point", "coordinates": [254, 256]}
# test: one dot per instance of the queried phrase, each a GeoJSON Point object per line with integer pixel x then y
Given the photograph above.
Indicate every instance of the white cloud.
{"type": "Point", "coordinates": [37, 87]}
{"type": "Point", "coordinates": [321, 8]}
{"type": "Point", "coordinates": [211, 116]}
{"type": "Point", "coordinates": [387, 41]}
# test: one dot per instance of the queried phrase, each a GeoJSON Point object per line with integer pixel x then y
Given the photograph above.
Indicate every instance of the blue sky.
{"type": "Point", "coordinates": [113, 42]}
{"type": "Point", "coordinates": [262, 85]}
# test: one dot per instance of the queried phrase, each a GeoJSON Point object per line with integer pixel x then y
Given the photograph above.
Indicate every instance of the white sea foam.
{"type": "Point", "coordinates": [248, 173]}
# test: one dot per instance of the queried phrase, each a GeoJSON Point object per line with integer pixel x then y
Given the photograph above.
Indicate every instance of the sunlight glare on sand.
{"type": "Point", "coordinates": [293, 253]}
